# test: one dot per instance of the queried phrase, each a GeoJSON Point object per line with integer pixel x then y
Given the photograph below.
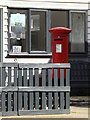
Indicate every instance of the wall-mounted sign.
{"type": "Point", "coordinates": [17, 49]}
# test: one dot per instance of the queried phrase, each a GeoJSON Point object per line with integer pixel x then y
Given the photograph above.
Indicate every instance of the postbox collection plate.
{"type": "Point", "coordinates": [58, 48]}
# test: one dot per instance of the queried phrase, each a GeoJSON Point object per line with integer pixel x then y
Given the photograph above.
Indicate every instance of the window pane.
{"type": "Point", "coordinates": [38, 31]}
{"type": "Point", "coordinates": [77, 35]}
{"type": "Point", "coordinates": [18, 31]}
{"type": "Point", "coordinates": [59, 19]}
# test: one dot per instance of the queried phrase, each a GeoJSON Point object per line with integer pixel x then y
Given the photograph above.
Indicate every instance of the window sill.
{"type": "Point", "coordinates": [25, 55]}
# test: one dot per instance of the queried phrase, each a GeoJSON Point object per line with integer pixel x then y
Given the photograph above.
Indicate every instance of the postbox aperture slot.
{"type": "Point", "coordinates": [58, 39]}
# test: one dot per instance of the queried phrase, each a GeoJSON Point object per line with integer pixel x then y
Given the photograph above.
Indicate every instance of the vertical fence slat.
{"type": "Point", "coordinates": [50, 84]}
{"type": "Point", "coordinates": [62, 84]}
{"type": "Point", "coordinates": [9, 76]}
{"type": "Point", "coordinates": [36, 84]}
{"type": "Point", "coordinates": [67, 84]}
{"type": "Point", "coordinates": [0, 76]}
{"type": "Point", "coordinates": [3, 76]}
{"type": "Point", "coordinates": [15, 76]}
{"type": "Point", "coordinates": [0, 86]}
{"type": "Point", "coordinates": [9, 93]}
{"type": "Point", "coordinates": [15, 93]}
{"type": "Point", "coordinates": [3, 93]}
{"type": "Point", "coordinates": [20, 93]}
{"type": "Point", "coordinates": [9, 101]}
{"type": "Point", "coordinates": [31, 84]}
{"type": "Point", "coordinates": [25, 84]}
{"type": "Point", "coordinates": [55, 84]}
{"type": "Point", "coordinates": [43, 84]}
{"type": "Point", "coordinates": [3, 102]}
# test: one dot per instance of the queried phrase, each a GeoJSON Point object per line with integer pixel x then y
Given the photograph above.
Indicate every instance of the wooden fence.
{"type": "Point", "coordinates": [28, 89]}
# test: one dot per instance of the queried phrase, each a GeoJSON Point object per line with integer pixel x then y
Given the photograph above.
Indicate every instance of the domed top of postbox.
{"type": "Point", "coordinates": [60, 30]}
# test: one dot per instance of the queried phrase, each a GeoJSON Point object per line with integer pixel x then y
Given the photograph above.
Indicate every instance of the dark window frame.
{"type": "Point", "coordinates": [9, 31]}
{"type": "Point", "coordinates": [48, 52]}
{"type": "Point", "coordinates": [85, 34]}
{"type": "Point", "coordinates": [29, 52]}
{"type": "Point", "coordinates": [47, 28]}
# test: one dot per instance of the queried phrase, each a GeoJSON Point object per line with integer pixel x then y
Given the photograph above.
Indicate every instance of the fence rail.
{"type": "Point", "coordinates": [34, 89]}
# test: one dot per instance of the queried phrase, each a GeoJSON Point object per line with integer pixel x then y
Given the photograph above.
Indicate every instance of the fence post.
{"type": "Point", "coordinates": [61, 84]}
{"type": "Point", "coordinates": [15, 84]}
{"type": "Point", "coordinates": [3, 93]}
{"type": "Point", "coordinates": [67, 84]}
{"type": "Point", "coordinates": [20, 93]}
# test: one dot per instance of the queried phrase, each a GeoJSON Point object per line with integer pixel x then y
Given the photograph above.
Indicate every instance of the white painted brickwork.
{"type": "Point", "coordinates": [5, 32]}
{"type": "Point", "coordinates": [89, 28]}
{"type": "Point", "coordinates": [89, 22]}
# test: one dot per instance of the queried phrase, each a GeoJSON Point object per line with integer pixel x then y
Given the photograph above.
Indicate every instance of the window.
{"type": "Point", "coordinates": [59, 19]}
{"type": "Point", "coordinates": [77, 22]}
{"type": "Point", "coordinates": [38, 31]}
{"type": "Point", "coordinates": [28, 31]}
{"type": "Point", "coordinates": [18, 31]}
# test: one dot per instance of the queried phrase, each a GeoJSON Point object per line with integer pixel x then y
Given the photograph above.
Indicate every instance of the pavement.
{"type": "Point", "coordinates": [79, 108]}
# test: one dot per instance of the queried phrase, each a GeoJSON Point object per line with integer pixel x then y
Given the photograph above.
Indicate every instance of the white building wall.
{"type": "Point", "coordinates": [44, 4]}
{"type": "Point", "coordinates": [89, 29]}
{"type": "Point", "coordinates": [47, 4]}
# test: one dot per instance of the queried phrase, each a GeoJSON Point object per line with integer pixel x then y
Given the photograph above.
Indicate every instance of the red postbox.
{"type": "Point", "coordinates": [60, 45]}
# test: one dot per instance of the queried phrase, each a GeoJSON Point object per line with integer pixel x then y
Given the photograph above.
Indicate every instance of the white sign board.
{"type": "Point", "coordinates": [58, 48]}
{"type": "Point", "coordinates": [16, 49]}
